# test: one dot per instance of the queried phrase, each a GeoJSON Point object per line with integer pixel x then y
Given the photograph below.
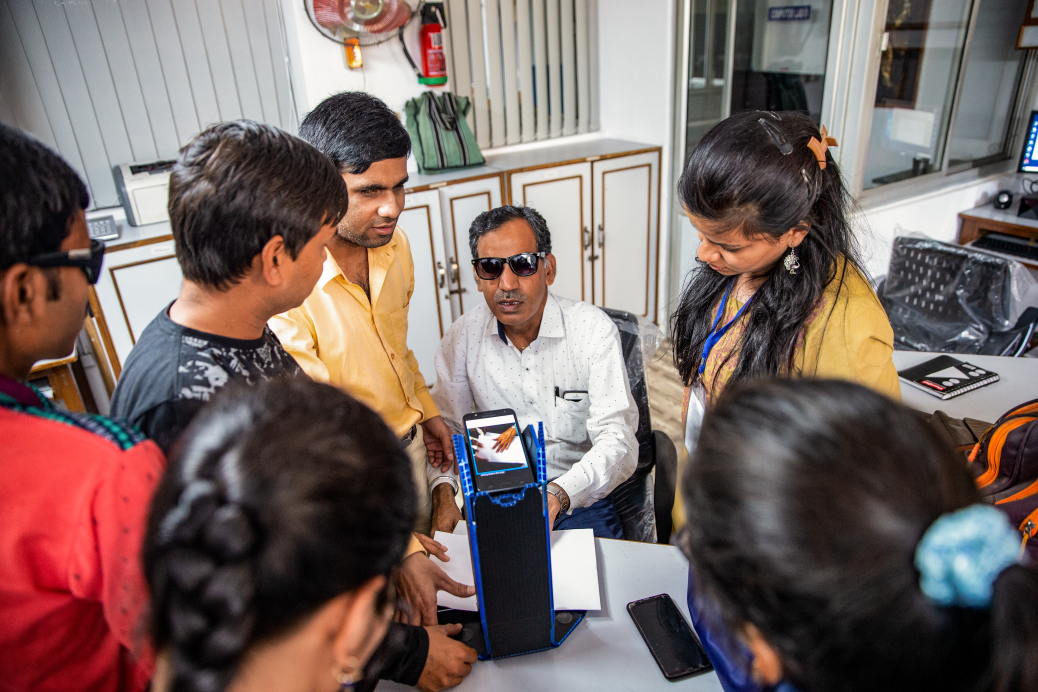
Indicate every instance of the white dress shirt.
{"type": "Point", "coordinates": [590, 443]}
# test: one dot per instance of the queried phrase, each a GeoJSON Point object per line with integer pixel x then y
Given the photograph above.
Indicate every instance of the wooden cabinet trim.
{"type": "Point", "coordinates": [447, 183]}
{"type": "Point", "coordinates": [586, 159]}
{"type": "Point", "coordinates": [105, 334]}
{"type": "Point", "coordinates": [119, 295]}
{"type": "Point", "coordinates": [137, 243]}
{"type": "Point", "coordinates": [580, 235]}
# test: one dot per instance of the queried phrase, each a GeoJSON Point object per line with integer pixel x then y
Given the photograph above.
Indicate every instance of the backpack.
{"type": "Point", "coordinates": [1004, 463]}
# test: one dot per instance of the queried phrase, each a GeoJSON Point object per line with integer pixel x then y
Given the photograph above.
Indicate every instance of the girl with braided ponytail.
{"type": "Point", "coordinates": [271, 540]}
{"type": "Point", "coordinates": [846, 548]}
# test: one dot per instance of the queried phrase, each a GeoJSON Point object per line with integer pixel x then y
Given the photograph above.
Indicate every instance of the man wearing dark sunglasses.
{"type": "Point", "coordinates": [74, 487]}
{"type": "Point", "coordinates": [549, 359]}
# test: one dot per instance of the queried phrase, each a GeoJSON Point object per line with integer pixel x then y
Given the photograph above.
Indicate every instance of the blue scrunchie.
{"type": "Point", "coordinates": [963, 552]}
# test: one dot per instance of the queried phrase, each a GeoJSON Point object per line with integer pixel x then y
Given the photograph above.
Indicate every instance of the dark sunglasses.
{"type": "Point", "coordinates": [523, 264]}
{"type": "Point", "coordinates": [88, 259]}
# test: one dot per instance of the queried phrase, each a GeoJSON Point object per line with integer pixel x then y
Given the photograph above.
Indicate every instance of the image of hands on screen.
{"type": "Point", "coordinates": [494, 444]}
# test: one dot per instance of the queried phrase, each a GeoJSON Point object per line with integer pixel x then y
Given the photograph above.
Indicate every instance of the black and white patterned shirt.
{"type": "Point", "coordinates": [173, 371]}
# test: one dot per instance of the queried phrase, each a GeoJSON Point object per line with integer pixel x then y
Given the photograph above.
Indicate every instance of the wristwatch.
{"type": "Point", "coordinates": [440, 480]}
{"type": "Point", "coordinates": [561, 496]}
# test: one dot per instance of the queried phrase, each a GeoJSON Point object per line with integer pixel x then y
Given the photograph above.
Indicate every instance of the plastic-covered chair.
{"type": "Point", "coordinates": [955, 299]}
{"type": "Point", "coordinates": [644, 508]}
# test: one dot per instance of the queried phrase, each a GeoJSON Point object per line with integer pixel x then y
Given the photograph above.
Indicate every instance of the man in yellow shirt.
{"type": "Point", "coordinates": [352, 330]}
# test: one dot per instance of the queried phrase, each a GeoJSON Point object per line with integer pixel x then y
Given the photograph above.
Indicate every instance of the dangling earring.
{"type": "Point", "coordinates": [791, 263]}
{"type": "Point", "coordinates": [345, 679]}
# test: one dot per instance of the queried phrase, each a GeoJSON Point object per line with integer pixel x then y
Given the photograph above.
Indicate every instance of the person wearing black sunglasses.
{"type": "Point", "coordinates": [74, 487]}
{"type": "Point", "coordinates": [549, 359]}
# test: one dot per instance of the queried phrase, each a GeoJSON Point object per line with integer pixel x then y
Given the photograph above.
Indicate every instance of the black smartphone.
{"type": "Point", "coordinates": [497, 456]}
{"type": "Point", "coordinates": [670, 638]}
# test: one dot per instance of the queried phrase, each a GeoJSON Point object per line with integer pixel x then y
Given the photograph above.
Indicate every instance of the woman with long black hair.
{"type": "Point", "coordinates": [780, 288]}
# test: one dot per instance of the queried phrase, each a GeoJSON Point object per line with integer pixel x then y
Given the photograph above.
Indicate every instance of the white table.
{"type": "Point", "coordinates": [1018, 383]}
{"type": "Point", "coordinates": [605, 653]}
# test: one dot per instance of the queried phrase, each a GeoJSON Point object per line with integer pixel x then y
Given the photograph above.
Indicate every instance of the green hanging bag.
{"type": "Point", "coordinates": [440, 136]}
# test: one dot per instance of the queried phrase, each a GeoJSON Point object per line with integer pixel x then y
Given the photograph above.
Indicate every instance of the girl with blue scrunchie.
{"type": "Point", "coordinates": [844, 547]}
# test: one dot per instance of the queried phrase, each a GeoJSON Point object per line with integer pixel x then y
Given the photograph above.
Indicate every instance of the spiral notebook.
{"type": "Point", "coordinates": [945, 377]}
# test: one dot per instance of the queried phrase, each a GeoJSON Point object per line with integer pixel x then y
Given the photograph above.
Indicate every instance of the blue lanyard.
{"type": "Point", "coordinates": [715, 333]}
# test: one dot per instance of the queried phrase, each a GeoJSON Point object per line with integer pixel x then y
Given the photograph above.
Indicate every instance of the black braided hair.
{"type": "Point", "coordinates": [278, 499]}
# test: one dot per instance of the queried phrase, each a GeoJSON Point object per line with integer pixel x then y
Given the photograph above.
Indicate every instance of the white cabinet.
{"type": "Point", "coordinates": [461, 203]}
{"type": "Point", "coordinates": [436, 219]}
{"type": "Point", "coordinates": [625, 212]}
{"type": "Point", "coordinates": [429, 312]}
{"type": "Point", "coordinates": [603, 214]}
{"type": "Point", "coordinates": [562, 195]}
{"type": "Point", "coordinates": [135, 284]}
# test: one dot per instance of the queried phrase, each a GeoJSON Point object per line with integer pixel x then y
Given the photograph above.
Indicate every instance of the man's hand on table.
{"type": "Point", "coordinates": [445, 514]}
{"type": "Point", "coordinates": [449, 661]}
{"type": "Point", "coordinates": [439, 444]}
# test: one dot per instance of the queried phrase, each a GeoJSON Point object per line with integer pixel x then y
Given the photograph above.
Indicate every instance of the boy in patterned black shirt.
{"type": "Point", "coordinates": [251, 208]}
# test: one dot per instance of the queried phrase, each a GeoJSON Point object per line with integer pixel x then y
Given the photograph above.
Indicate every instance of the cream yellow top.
{"type": "Point", "coordinates": [339, 335]}
{"type": "Point", "coordinates": [847, 337]}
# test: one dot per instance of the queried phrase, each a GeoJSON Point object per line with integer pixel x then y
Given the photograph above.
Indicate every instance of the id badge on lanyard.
{"type": "Point", "coordinates": [717, 334]}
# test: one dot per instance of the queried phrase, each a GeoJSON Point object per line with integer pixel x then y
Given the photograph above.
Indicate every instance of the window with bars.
{"type": "Point", "coordinates": [107, 82]}
{"type": "Point", "coordinates": [526, 66]}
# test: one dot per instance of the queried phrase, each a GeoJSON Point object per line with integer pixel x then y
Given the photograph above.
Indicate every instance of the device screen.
{"type": "Point", "coordinates": [1029, 158]}
{"type": "Point", "coordinates": [495, 445]}
{"type": "Point", "coordinates": [496, 450]}
{"type": "Point", "coordinates": [669, 637]}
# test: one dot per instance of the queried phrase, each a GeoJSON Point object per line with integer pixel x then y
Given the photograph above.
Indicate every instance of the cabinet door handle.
{"type": "Point", "coordinates": [587, 238]}
{"type": "Point", "coordinates": [601, 236]}
{"type": "Point", "coordinates": [454, 270]}
{"type": "Point", "coordinates": [443, 274]}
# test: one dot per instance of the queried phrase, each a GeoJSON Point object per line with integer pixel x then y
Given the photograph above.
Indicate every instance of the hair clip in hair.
{"type": "Point", "coordinates": [821, 147]}
{"type": "Point", "coordinates": [963, 552]}
{"type": "Point", "coordinates": [777, 138]}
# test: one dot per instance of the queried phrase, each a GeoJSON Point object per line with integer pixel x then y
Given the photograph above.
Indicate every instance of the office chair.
{"type": "Point", "coordinates": [644, 507]}
{"type": "Point", "coordinates": [952, 299]}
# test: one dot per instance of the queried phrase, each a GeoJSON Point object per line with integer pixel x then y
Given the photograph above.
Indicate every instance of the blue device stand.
{"type": "Point", "coordinates": [510, 542]}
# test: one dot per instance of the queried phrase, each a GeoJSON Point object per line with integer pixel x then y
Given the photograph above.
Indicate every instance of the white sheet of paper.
{"type": "Point", "coordinates": [574, 569]}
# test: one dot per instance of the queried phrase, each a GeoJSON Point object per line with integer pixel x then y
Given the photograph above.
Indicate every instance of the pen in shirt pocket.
{"type": "Point", "coordinates": [578, 395]}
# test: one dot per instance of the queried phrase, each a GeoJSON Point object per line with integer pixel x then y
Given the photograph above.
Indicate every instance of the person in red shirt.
{"type": "Point", "coordinates": [74, 487]}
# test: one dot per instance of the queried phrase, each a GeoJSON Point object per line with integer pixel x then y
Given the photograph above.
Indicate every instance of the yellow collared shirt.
{"type": "Point", "coordinates": [341, 337]}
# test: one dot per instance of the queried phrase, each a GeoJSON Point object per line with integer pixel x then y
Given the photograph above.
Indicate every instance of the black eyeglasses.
{"type": "Point", "coordinates": [523, 264]}
{"type": "Point", "coordinates": [88, 259]}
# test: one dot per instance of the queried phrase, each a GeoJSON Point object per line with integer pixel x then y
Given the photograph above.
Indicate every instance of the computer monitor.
{"type": "Point", "coordinates": [1029, 157]}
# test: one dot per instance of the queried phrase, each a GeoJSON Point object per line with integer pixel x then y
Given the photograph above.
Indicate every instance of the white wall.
{"type": "Point", "coordinates": [319, 66]}
{"type": "Point", "coordinates": [934, 214]}
{"type": "Point", "coordinates": [636, 96]}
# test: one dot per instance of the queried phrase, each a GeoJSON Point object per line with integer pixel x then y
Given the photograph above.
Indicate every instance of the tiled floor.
{"type": "Point", "coordinates": [665, 394]}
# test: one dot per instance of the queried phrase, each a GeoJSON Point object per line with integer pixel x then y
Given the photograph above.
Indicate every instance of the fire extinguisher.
{"type": "Point", "coordinates": [434, 64]}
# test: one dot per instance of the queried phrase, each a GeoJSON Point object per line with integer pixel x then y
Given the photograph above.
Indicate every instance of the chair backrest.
{"type": "Point", "coordinates": [943, 297]}
{"type": "Point", "coordinates": [634, 497]}
{"type": "Point", "coordinates": [630, 344]}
